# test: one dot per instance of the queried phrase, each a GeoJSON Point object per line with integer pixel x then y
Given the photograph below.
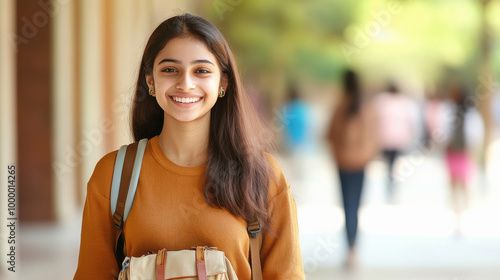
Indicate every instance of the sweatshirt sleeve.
{"type": "Point", "coordinates": [97, 259]}
{"type": "Point", "coordinates": [281, 256]}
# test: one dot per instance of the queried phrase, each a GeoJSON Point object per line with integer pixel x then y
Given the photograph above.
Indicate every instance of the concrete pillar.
{"type": "Point", "coordinates": [90, 138]}
{"type": "Point", "coordinates": [34, 110]}
{"type": "Point", "coordinates": [126, 55]}
{"type": "Point", "coordinates": [65, 159]}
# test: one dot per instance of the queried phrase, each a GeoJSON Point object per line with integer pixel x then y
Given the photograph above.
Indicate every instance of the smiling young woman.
{"type": "Point", "coordinates": [205, 173]}
{"type": "Point", "coordinates": [186, 80]}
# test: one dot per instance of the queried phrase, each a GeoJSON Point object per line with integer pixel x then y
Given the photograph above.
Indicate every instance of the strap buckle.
{"type": "Point", "coordinates": [118, 221]}
{"type": "Point", "coordinates": [254, 229]}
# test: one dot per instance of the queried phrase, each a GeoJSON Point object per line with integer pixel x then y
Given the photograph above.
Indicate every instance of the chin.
{"type": "Point", "coordinates": [187, 119]}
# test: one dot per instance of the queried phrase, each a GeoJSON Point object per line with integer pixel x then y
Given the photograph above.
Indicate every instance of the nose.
{"type": "Point", "coordinates": [185, 82]}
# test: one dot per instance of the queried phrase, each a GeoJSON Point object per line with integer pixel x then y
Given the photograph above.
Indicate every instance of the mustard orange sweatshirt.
{"type": "Point", "coordinates": [170, 211]}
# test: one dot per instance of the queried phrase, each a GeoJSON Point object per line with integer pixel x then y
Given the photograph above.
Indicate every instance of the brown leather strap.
{"type": "Point", "coordinates": [160, 264]}
{"type": "Point", "coordinates": [255, 246]}
{"type": "Point", "coordinates": [128, 165]}
{"type": "Point", "coordinates": [200, 263]}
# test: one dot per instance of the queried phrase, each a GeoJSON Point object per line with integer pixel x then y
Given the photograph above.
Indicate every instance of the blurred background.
{"type": "Point", "coordinates": [67, 73]}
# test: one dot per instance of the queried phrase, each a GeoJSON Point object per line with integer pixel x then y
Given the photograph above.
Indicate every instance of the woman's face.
{"type": "Point", "coordinates": [187, 79]}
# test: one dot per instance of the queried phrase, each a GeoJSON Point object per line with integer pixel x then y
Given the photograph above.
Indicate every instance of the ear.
{"type": "Point", "coordinates": [224, 81]}
{"type": "Point", "coordinates": [150, 81]}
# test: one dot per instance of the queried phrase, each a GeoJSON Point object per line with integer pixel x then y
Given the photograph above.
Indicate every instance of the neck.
{"type": "Point", "coordinates": [185, 143]}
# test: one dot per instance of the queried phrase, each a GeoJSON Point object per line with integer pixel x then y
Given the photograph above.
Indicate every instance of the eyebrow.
{"type": "Point", "coordinates": [176, 61]}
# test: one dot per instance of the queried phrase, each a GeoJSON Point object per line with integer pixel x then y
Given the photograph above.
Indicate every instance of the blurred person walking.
{"type": "Point", "coordinates": [465, 134]}
{"type": "Point", "coordinates": [398, 128]}
{"type": "Point", "coordinates": [296, 122]}
{"type": "Point", "coordinates": [352, 137]}
{"type": "Point", "coordinates": [297, 142]}
{"type": "Point", "coordinates": [435, 118]}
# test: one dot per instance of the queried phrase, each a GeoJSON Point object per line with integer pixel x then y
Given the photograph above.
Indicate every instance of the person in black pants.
{"type": "Point", "coordinates": [351, 184]}
{"type": "Point", "coordinates": [390, 155]}
{"type": "Point", "coordinates": [353, 139]}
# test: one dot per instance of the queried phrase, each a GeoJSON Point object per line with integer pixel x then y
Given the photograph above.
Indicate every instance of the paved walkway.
{"type": "Point", "coordinates": [410, 238]}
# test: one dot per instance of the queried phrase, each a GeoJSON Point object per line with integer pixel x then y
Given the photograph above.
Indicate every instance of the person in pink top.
{"type": "Point", "coordinates": [465, 132]}
{"type": "Point", "coordinates": [397, 124]}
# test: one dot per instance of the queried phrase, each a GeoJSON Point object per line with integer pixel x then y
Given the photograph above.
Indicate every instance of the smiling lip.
{"type": "Point", "coordinates": [185, 101]}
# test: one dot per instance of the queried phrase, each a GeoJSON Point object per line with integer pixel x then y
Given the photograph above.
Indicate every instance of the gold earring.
{"type": "Point", "coordinates": [222, 93]}
{"type": "Point", "coordinates": [152, 92]}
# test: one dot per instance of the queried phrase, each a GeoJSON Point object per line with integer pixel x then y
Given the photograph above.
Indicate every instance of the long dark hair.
{"type": "Point", "coordinates": [237, 172]}
{"type": "Point", "coordinates": [353, 91]}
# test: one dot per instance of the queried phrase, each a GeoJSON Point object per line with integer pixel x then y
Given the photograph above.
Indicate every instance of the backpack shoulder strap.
{"type": "Point", "coordinates": [125, 178]}
{"type": "Point", "coordinates": [123, 187]}
{"type": "Point", "coordinates": [254, 231]}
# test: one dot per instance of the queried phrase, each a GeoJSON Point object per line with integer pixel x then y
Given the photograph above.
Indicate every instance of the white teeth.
{"type": "Point", "coordinates": [186, 100]}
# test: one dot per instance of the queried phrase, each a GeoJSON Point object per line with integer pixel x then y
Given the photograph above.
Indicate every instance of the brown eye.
{"type": "Point", "coordinates": [168, 70]}
{"type": "Point", "coordinates": [202, 71]}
